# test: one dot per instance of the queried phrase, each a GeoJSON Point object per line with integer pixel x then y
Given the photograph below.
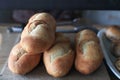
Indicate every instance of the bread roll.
{"type": "Point", "coordinates": [116, 49]}
{"type": "Point", "coordinates": [113, 33]}
{"type": "Point", "coordinates": [20, 62]}
{"type": "Point", "coordinates": [88, 52]}
{"type": "Point", "coordinates": [117, 64]}
{"type": "Point", "coordinates": [39, 33]}
{"type": "Point", "coordinates": [59, 58]}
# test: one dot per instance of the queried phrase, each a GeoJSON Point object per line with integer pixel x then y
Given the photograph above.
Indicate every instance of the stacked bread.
{"type": "Point", "coordinates": [113, 34]}
{"type": "Point", "coordinates": [37, 36]}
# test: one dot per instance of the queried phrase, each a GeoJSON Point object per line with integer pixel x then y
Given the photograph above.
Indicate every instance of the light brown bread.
{"type": "Point", "coordinates": [39, 34]}
{"type": "Point", "coordinates": [59, 58]}
{"type": "Point", "coordinates": [20, 62]}
{"type": "Point", "coordinates": [113, 33]}
{"type": "Point", "coordinates": [88, 52]}
{"type": "Point", "coordinates": [44, 17]}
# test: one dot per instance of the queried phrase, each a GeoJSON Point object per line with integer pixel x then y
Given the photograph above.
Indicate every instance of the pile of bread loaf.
{"type": "Point", "coordinates": [113, 34]}
{"type": "Point", "coordinates": [39, 38]}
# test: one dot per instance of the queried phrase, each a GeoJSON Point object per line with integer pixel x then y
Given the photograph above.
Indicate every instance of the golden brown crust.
{"type": "Point", "coordinates": [20, 62]}
{"type": "Point", "coordinates": [39, 33]}
{"type": "Point", "coordinates": [113, 33]}
{"type": "Point", "coordinates": [88, 52]}
{"type": "Point", "coordinates": [86, 35]}
{"type": "Point", "coordinates": [45, 17]}
{"type": "Point", "coordinates": [57, 57]}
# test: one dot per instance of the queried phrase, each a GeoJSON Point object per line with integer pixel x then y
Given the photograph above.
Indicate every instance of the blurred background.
{"type": "Point", "coordinates": [105, 17]}
{"type": "Point", "coordinates": [97, 11]}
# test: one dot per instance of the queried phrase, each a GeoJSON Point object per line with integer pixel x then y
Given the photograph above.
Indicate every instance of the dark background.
{"type": "Point", "coordinates": [60, 4]}
{"type": "Point", "coordinates": [70, 7]}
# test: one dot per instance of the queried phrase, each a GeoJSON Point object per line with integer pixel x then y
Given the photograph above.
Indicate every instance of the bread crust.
{"type": "Point", "coordinates": [39, 33]}
{"type": "Point", "coordinates": [20, 62]}
{"type": "Point", "coordinates": [88, 52]}
{"type": "Point", "coordinates": [57, 57]}
{"type": "Point", "coordinates": [44, 17]}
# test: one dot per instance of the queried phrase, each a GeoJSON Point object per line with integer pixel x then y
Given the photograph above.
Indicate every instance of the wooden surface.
{"type": "Point", "coordinates": [39, 73]}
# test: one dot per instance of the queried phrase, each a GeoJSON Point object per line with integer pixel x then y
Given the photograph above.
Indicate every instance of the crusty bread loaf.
{"type": "Point", "coordinates": [88, 52]}
{"type": "Point", "coordinates": [39, 33]}
{"type": "Point", "coordinates": [20, 62]}
{"type": "Point", "coordinates": [59, 58]}
{"type": "Point", "coordinates": [113, 33]}
{"type": "Point", "coordinates": [86, 35]}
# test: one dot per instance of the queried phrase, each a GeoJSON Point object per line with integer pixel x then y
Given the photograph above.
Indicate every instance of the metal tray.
{"type": "Point", "coordinates": [106, 47]}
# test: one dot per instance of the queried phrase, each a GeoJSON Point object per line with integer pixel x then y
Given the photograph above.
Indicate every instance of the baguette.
{"type": "Point", "coordinates": [20, 62]}
{"type": "Point", "coordinates": [44, 17]}
{"type": "Point", "coordinates": [88, 52]}
{"type": "Point", "coordinates": [39, 33]}
{"type": "Point", "coordinates": [57, 57]}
